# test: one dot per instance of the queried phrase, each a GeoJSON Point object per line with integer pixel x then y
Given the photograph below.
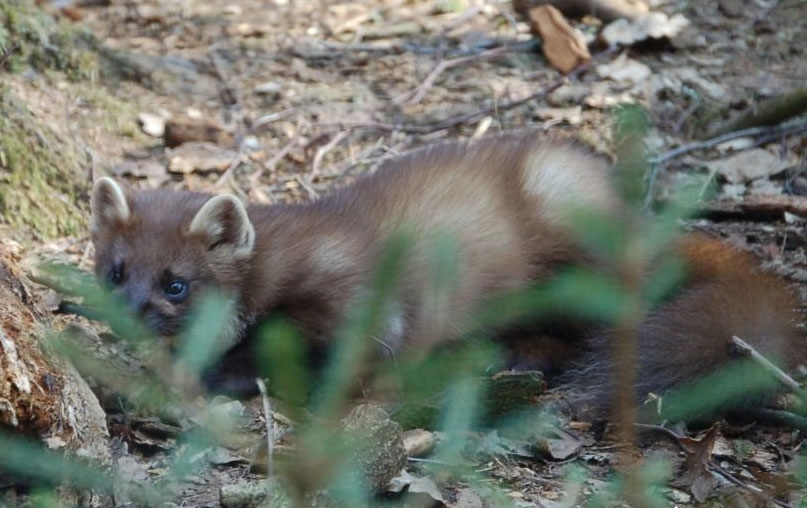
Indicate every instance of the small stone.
{"type": "Point", "coordinates": [679, 496]}
{"type": "Point", "coordinates": [151, 125]}
{"type": "Point", "coordinates": [251, 143]}
{"type": "Point", "coordinates": [269, 88]}
{"type": "Point", "coordinates": [377, 444]}
{"type": "Point", "coordinates": [419, 442]}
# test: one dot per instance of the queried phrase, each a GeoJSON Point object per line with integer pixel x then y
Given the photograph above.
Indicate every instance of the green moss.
{"type": "Point", "coordinates": [44, 43]}
{"type": "Point", "coordinates": [41, 178]}
{"type": "Point", "coordinates": [116, 116]}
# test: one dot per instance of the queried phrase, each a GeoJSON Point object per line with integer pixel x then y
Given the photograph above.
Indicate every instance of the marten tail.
{"type": "Point", "coordinates": [688, 337]}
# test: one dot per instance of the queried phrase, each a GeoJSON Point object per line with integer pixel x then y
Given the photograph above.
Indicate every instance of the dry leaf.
{"type": "Point", "coordinates": [654, 25]}
{"type": "Point", "coordinates": [749, 165]}
{"type": "Point", "coordinates": [416, 485]}
{"type": "Point", "coordinates": [624, 70]}
{"type": "Point", "coordinates": [695, 473]}
{"type": "Point", "coordinates": [562, 45]}
{"type": "Point", "coordinates": [560, 448]}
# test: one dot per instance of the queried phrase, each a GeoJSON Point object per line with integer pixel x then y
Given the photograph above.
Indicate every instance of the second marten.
{"type": "Point", "coordinates": [504, 206]}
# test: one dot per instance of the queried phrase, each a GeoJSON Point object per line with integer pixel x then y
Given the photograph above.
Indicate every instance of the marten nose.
{"type": "Point", "coordinates": [137, 296]}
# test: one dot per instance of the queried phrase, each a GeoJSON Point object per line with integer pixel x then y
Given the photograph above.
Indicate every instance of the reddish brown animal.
{"type": "Point", "coordinates": [504, 206]}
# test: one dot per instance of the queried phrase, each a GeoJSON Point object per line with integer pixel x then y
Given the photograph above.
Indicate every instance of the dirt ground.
{"type": "Point", "coordinates": [294, 96]}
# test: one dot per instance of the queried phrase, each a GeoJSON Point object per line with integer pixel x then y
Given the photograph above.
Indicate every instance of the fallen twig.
{"type": "Point", "coordinates": [472, 117]}
{"type": "Point", "coordinates": [306, 186]}
{"type": "Point", "coordinates": [271, 117]}
{"type": "Point", "coordinates": [763, 207]}
{"type": "Point", "coordinates": [237, 160]}
{"type": "Point", "coordinates": [270, 424]}
{"type": "Point", "coordinates": [271, 163]}
{"type": "Point", "coordinates": [664, 430]}
{"type": "Point", "coordinates": [416, 95]}
{"type": "Point", "coordinates": [366, 157]}
{"type": "Point", "coordinates": [770, 112]}
{"type": "Point", "coordinates": [323, 150]}
{"type": "Point", "coordinates": [717, 470]}
{"type": "Point", "coordinates": [793, 127]}
{"type": "Point", "coordinates": [766, 135]}
{"type": "Point", "coordinates": [417, 49]}
{"type": "Point", "coordinates": [781, 376]}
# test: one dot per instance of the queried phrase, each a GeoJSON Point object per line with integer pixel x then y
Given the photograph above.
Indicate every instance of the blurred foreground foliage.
{"type": "Point", "coordinates": [450, 383]}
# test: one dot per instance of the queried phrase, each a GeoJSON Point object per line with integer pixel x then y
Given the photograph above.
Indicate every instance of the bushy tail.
{"type": "Point", "coordinates": [688, 338]}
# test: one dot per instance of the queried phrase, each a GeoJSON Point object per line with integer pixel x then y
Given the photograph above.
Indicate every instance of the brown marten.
{"type": "Point", "coordinates": [503, 204]}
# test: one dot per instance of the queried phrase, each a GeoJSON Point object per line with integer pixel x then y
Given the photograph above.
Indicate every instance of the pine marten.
{"type": "Point", "coordinates": [504, 204]}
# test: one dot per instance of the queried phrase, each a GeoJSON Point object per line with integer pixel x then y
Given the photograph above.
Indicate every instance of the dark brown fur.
{"type": "Point", "coordinates": [504, 203]}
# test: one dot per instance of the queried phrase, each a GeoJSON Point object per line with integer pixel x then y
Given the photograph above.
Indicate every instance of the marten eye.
{"type": "Point", "coordinates": [115, 275]}
{"type": "Point", "coordinates": [176, 290]}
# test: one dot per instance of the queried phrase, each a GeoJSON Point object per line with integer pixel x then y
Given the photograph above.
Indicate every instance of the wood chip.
{"type": "Point", "coordinates": [185, 129]}
{"type": "Point", "coordinates": [756, 207]}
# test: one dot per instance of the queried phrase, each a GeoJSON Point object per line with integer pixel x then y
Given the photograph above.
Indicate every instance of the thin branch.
{"type": "Point", "coordinates": [417, 49]}
{"type": "Point", "coordinates": [717, 470]}
{"type": "Point", "coordinates": [323, 150]}
{"type": "Point", "coordinates": [237, 160]}
{"type": "Point", "coordinates": [781, 376]}
{"type": "Point", "coordinates": [269, 118]}
{"type": "Point", "coordinates": [793, 127]}
{"type": "Point", "coordinates": [766, 135]}
{"type": "Point", "coordinates": [416, 95]}
{"type": "Point", "coordinates": [472, 117]}
{"type": "Point", "coordinates": [271, 163]}
{"type": "Point", "coordinates": [270, 426]}
{"type": "Point", "coordinates": [664, 430]}
{"type": "Point", "coordinates": [305, 185]}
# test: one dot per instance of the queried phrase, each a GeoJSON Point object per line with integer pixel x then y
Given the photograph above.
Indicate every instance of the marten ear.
{"type": "Point", "coordinates": [223, 222]}
{"type": "Point", "coordinates": [108, 205]}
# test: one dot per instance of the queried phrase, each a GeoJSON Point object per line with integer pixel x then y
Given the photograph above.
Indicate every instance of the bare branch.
{"type": "Point", "coordinates": [749, 351]}
{"type": "Point", "coordinates": [469, 118]}
{"type": "Point", "coordinates": [270, 424]}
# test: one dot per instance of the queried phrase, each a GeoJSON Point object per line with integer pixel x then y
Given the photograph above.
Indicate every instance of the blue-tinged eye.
{"type": "Point", "coordinates": [176, 290]}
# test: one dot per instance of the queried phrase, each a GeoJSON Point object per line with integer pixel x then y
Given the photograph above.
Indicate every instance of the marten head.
{"type": "Point", "coordinates": [162, 250]}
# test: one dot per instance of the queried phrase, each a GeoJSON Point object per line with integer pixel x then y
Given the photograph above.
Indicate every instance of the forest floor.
{"type": "Point", "coordinates": [294, 96]}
